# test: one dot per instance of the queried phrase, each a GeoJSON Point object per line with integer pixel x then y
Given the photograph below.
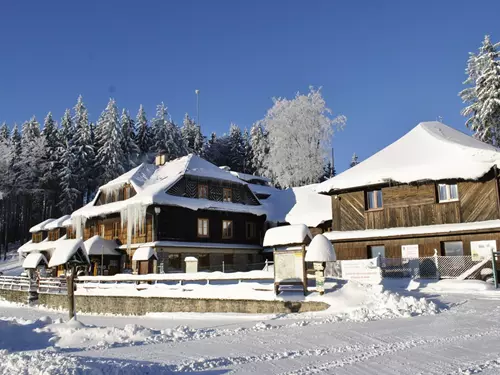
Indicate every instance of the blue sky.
{"type": "Point", "coordinates": [386, 65]}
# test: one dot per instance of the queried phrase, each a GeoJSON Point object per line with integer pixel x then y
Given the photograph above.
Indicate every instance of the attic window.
{"type": "Point", "coordinates": [374, 199]}
{"type": "Point", "coordinates": [227, 195]}
{"type": "Point", "coordinates": [447, 193]}
{"type": "Point", "coordinates": [203, 191]}
{"type": "Point", "coordinates": [160, 159]}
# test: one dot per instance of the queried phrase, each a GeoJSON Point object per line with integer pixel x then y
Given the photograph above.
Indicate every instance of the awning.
{"type": "Point", "coordinates": [33, 260]}
{"type": "Point", "coordinates": [99, 246]}
{"type": "Point", "coordinates": [144, 253]}
{"type": "Point", "coordinates": [69, 251]}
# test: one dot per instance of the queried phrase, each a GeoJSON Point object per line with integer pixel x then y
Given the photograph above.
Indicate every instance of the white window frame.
{"type": "Point", "coordinates": [448, 193]}
{"type": "Point", "coordinates": [373, 194]}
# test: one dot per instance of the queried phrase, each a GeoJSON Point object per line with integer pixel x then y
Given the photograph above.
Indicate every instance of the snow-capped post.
{"type": "Point", "coordinates": [289, 247]}
{"type": "Point", "coordinates": [436, 262]}
{"type": "Point", "coordinates": [320, 251]}
{"type": "Point", "coordinates": [191, 264]}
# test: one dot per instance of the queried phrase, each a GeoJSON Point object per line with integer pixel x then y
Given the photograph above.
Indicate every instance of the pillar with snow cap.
{"type": "Point", "coordinates": [191, 264]}
{"type": "Point", "coordinates": [320, 251]}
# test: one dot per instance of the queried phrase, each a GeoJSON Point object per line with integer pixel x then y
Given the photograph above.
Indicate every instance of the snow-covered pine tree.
{"type": "Point", "coordinates": [68, 179]}
{"type": "Point", "coordinates": [300, 133]}
{"type": "Point", "coordinates": [16, 141]}
{"type": "Point", "coordinates": [247, 153]}
{"type": "Point", "coordinates": [143, 134]}
{"type": "Point", "coordinates": [483, 94]}
{"type": "Point", "coordinates": [167, 135]}
{"type": "Point", "coordinates": [131, 152]}
{"type": "Point", "coordinates": [260, 148]}
{"type": "Point", "coordinates": [67, 130]}
{"type": "Point", "coordinates": [4, 132]}
{"type": "Point", "coordinates": [52, 146]}
{"type": "Point", "coordinates": [192, 136]}
{"type": "Point", "coordinates": [236, 148]}
{"type": "Point", "coordinates": [84, 152]}
{"type": "Point", "coordinates": [354, 160]}
{"type": "Point", "coordinates": [110, 156]}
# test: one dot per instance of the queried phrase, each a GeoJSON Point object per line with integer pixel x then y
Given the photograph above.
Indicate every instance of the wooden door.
{"type": "Point", "coordinates": [143, 267]}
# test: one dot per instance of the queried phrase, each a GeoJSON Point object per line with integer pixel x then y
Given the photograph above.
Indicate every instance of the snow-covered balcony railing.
{"type": "Point", "coordinates": [176, 278]}
{"type": "Point", "coordinates": [52, 285]}
{"type": "Point", "coordinates": [16, 283]}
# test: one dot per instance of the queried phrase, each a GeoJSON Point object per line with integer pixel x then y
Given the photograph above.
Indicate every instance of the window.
{"type": "Point", "coordinates": [447, 193]}
{"type": "Point", "coordinates": [202, 227]}
{"type": "Point", "coordinates": [36, 237]}
{"type": "Point", "coordinates": [453, 248]}
{"type": "Point", "coordinates": [227, 195]}
{"type": "Point", "coordinates": [374, 199]}
{"type": "Point", "coordinates": [126, 192]}
{"type": "Point", "coordinates": [203, 191]}
{"type": "Point", "coordinates": [227, 229]}
{"type": "Point", "coordinates": [375, 251]}
{"type": "Point", "coordinates": [251, 230]}
{"type": "Point", "coordinates": [116, 229]}
{"type": "Point", "coordinates": [203, 261]}
{"type": "Point", "coordinates": [92, 231]}
{"type": "Point", "coordinates": [70, 233]}
{"type": "Point", "coordinates": [102, 230]}
{"type": "Point", "coordinates": [174, 263]}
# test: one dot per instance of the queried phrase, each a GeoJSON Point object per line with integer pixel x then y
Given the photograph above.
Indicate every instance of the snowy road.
{"type": "Point", "coordinates": [463, 339]}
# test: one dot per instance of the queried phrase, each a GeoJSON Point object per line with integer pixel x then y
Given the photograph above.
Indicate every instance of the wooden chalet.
{"type": "Point", "coordinates": [185, 207]}
{"type": "Point", "coordinates": [435, 187]}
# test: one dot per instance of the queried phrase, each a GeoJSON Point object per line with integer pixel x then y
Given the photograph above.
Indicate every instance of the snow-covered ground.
{"type": "Point", "coordinates": [368, 330]}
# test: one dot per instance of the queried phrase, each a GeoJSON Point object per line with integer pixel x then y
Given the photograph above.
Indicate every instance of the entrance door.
{"type": "Point", "coordinates": [143, 267]}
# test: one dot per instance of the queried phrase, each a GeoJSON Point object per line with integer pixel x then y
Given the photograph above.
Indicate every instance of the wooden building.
{"type": "Point", "coordinates": [435, 187]}
{"type": "Point", "coordinates": [185, 207]}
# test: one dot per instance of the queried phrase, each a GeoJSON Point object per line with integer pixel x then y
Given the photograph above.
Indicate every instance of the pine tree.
{"type": "Point", "coordinates": [84, 152]}
{"type": "Point", "coordinates": [4, 132]}
{"type": "Point", "coordinates": [131, 152]}
{"type": "Point", "coordinates": [67, 128]}
{"type": "Point", "coordinates": [260, 148]}
{"type": "Point", "coordinates": [52, 147]}
{"type": "Point", "coordinates": [483, 94]}
{"type": "Point", "coordinates": [236, 149]}
{"type": "Point", "coordinates": [299, 133]}
{"type": "Point", "coordinates": [247, 153]}
{"type": "Point", "coordinates": [354, 160]}
{"type": "Point", "coordinates": [110, 156]}
{"type": "Point", "coordinates": [192, 136]}
{"type": "Point", "coordinates": [68, 179]}
{"type": "Point", "coordinates": [16, 141]}
{"type": "Point", "coordinates": [167, 135]}
{"type": "Point", "coordinates": [143, 137]}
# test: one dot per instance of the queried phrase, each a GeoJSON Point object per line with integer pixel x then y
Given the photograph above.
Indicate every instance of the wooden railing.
{"type": "Point", "coordinates": [47, 285]}
{"type": "Point", "coordinates": [16, 283]}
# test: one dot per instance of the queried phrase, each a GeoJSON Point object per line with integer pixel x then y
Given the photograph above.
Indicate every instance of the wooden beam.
{"type": "Point", "coordinates": [497, 192]}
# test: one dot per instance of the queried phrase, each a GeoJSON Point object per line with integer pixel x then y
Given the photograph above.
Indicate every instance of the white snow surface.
{"type": "Point", "coordinates": [408, 231]}
{"type": "Point", "coordinates": [287, 235]}
{"type": "Point", "coordinates": [33, 260]}
{"type": "Point", "coordinates": [372, 331]}
{"type": "Point", "coordinates": [144, 253]}
{"type": "Point", "coordinates": [65, 250]}
{"type": "Point", "coordinates": [57, 223]}
{"type": "Point", "coordinates": [97, 245]}
{"type": "Point", "coordinates": [40, 226]}
{"type": "Point", "coordinates": [430, 151]}
{"type": "Point", "coordinates": [250, 177]}
{"type": "Point", "coordinates": [320, 250]}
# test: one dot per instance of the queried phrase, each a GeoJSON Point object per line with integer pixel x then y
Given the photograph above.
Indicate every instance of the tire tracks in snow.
{"type": "Point", "coordinates": [363, 353]}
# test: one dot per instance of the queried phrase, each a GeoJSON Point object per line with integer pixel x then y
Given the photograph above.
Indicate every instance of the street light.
{"type": "Point", "coordinates": [197, 92]}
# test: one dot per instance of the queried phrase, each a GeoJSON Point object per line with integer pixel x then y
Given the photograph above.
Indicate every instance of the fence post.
{"type": "Point", "coordinates": [267, 266]}
{"type": "Point", "coordinates": [494, 268]}
{"type": "Point", "coordinates": [71, 292]}
{"type": "Point", "coordinates": [436, 262]}
{"type": "Point", "coordinates": [223, 267]}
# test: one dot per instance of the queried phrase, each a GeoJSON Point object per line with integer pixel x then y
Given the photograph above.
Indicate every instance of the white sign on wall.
{"type": "Point", "coordinates": [363, 270]}
{"type": "Point", "coordinates": [480, 250]}
{"type": "Point", "coordinates": [409, 251]}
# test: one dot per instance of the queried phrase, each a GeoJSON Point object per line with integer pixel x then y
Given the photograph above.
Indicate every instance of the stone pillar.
{"type": "Point", "coordinates": [191, 264]}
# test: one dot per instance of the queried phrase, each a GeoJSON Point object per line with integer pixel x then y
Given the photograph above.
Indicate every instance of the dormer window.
{"type": "Point", "coordinates": [227, 195]}
{"type": "Point", "coordinates": [203, 191]}
{"type": "Point", "coordinates": [447, 192]}
{"type": "Point", "coordinates": [160, 159]}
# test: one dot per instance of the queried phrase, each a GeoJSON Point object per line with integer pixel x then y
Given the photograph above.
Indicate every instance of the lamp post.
{"type": "Point", "coordinates": [197, 92]}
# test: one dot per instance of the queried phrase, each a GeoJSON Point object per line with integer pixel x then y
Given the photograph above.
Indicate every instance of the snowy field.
{"type": "Point", "coordinates": [368, 330]}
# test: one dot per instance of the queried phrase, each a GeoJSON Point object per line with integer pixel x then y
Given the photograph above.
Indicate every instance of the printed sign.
{"type": "Point", "coordinates": [365, 270]}
{"type": "Point", "coordinates": [409, 251]}
{"type": "Point", "coordinates": [481, 250]}
{"type": "Point", "coordinates": [289, 266]}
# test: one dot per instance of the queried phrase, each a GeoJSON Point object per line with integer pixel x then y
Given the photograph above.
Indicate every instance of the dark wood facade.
{"type": "Point", "coordinates": [416, 205]}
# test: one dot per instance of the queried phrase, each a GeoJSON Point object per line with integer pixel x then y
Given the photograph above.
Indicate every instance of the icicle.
{"type": "Point", "coordinates": [78, 223]}
{"type": "Point", "coordinates": [135, 217]}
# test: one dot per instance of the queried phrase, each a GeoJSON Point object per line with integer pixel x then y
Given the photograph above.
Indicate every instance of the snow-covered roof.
{"type": "Point", "coordinates": [153, 190]}
{"type": "Point", "coordinates": [412, 231]}
{"type": "Point", "coordinates": [137, 177]}
{"type": "Point", "coordinates": [65, 250]}
{"type": "Point", "coordinates": [430, 151]}
{"type": "Point", "coordinates": [45, 245]}
{"type": "Point", "coordinates": [299, 205]}
{"type": "Point", "coordinates": [144, 253]}
{"type": "Point", "coordinates": [250, 177]}
{"type": "Point", "coordinates": [287, 235]}
{"type": "Point", "coordinates": [57, 223]}
{"type": "Point", "coordinates": [320, 250]}
{"type": "Point", "coordinates": [67, 223]}
{"type": "Point", "coordinates": [32, 260]}
{"type": "Point", "coordinates": [40, 226]}
{"type": "Point", "coordinates": [97, 245]}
